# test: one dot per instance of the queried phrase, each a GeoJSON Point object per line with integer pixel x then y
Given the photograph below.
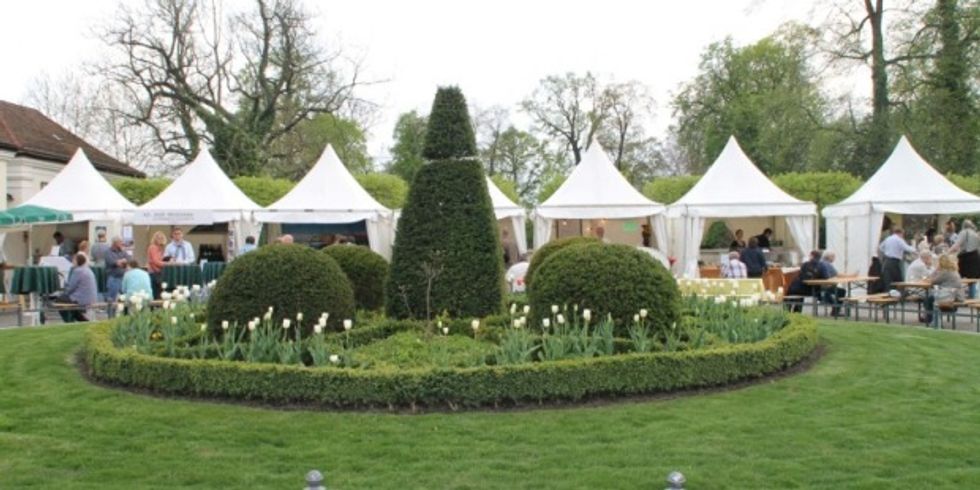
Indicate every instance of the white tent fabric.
{"type": "Point", "coordinates": [328, 193]}
{"type": "Point", "coordinates": [905, 184]}
{"type": "Point", "coordinates": [594, 190]}
{"type": "Point", "coordinates": [504, 208]}
{"type": "Point", "coordinates": [735, 188]}
{"type": "Point", "coordinates": [81, 190]}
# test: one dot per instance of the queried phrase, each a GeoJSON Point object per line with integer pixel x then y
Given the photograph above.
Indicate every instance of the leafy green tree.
{"type": "Point", "coordinates": [821, 188]}
{"type": "Point", "coordinates": [389, 190]}
{"type": "Point", "coordinates": [406, 154]}
{"type": "Point", "coordinates": [297, 152]}
{"type": "Point", "coordinates": [140, 191]}
{"type": "Point", "coordinates": [447, 254]}
{"type": "Point", "coordinates": [764, 94]}
{"type": "Point", "coordinates": [263, 190]}
{"type": "Point", "coordinates": [666, 190]}
{"type": "Point", "coordinates": [508, 187]}
{"type": "Point", "coordinates": [549, 185]}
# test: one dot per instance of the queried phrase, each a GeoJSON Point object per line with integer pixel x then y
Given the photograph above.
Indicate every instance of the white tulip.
{"type": "Point", "coordinates": [318, 328]}
{"type": "Point", "coordinates": [138, 307]}
{"type": "Point", "coordinates": [166, 296]}
{"type": "Point", "coordinates": [636, 318]}
{"type": "Point", "coordinates": [439, 324]}
{"type": "Point", "coordinates": [286, 322]}
{"type": "Point", "coordinates": [251, 326]}
{"type": "Point", "coordinates": [120, 308]}
{"type": "Point", "coordinates": [517, 323]}
{"type": "Point", "coordinates": [348, 324]}
{"type": "Point", "coordinates": [643, 313]}
{"type": "Point", "coordinates": [270, 310]}
{"type": "Point", "coordinates": [554, 309]}
{"type": "Point", "coordinates": [192, 316]}
{"type": "Point", "coordinates": [299, 316]}
{"type": "Point", "coordinates": [445, 330]}
{"type": "Point", "coordinates": [196, 288]}
{"type": "Point", "coordinates": [224, 324]}
{"type": "Point", "coordinates": [587, 314]}
{"type": "Point", "coordinates": [560, 319]}
{"type": "Point", "coordinates": [267, 316]}
{"type": "Point", "coordinates": [513, 308]}
{"type": "Point", "coordinates": [527, 309]}
{"type": "Point", "coordinates": [204, 327]}
{"type": "Point", "coordinates": [322, 323]}
{"type": "Point", "coordinates": [173, 320]}
{"type": "Point", "coordinates": [545, 322]}
{"type": "Point", "coordinates": [163, 285]}
{"type": "Point", "coordinates": [475, 325]}
{"type": "Point", "coordinates": [334, 358]}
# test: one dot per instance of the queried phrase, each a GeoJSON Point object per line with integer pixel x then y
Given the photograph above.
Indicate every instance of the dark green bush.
{"type": "Point", "coordinates": [550, 248]}
{"type": "Point", "coordinates": [447, 254]}
{"type": "Point", "coordinates": [449, 134]}
{"type": "Point", "coordinates": [388, 189]}
{"type": "Point", "coordinates": [289, 278]}
{"type": "Point", "coordinates": [140, 191]}
{"type": "Point", "coordinates": [367, 272]}
{"type": "Point", "coordinates": [608, 279]}
{"type": "Point", "coordinates": [576, 379]}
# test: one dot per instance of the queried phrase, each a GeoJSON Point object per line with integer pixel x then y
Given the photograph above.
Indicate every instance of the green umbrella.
{"type": "Point", "coordinates": [29, 214]}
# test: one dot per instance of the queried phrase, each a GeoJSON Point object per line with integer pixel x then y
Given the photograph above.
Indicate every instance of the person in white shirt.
{"type": "Point", "coordinates": [178, 250]}
{"type": "Point", "coordinates": [921, 268]}
{"type": "Point", "coordinates": [894, 249]}
{"type": "Point", "coordinates": [734, 268]}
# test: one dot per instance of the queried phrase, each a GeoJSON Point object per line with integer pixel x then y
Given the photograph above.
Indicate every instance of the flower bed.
{"type": "Point", "coordinates": [564, 364]}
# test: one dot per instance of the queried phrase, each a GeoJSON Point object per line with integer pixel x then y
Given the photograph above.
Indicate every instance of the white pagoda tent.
{"type": "Point", "coordinates": [203, 195]}
{"type": "Point", "coordinates": [505, 209]}
{"type": "Point", "coordinates": [596, 191]}
{"type": "Point", "coordinates": [905, 184]}
{"type": "Point", "coordinates": [329, 194]}
{"type": "Point", "coordinates": [734, 189]}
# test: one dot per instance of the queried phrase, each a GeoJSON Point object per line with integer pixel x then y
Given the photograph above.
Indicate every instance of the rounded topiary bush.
{"type": "Point", "coordinates": [291, 279]}
{"type": "Point", "coordinates": [608, 279]}
{"type": "Point", "coordinates": [367, 272]}
{"type": "Point", "coordinates": [550, 248]}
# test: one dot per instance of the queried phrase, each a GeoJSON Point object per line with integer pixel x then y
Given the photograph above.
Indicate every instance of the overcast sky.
{"type": "Point", "coordinates": [495, 51]}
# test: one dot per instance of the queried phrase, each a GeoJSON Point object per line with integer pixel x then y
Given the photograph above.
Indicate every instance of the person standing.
{"type": "Point", "coordinates": [949, 234]}
{"type": "Point", "coordinates": [511, 255]}
{"type": "Point", "coordinates": [754, 260]}
{"type": "Point", "coordinates": [738, 243]}
{"type": "Point", "coordinates": [116, 260]}
{"type": "Point", "coordinates": [66, 247]}
{"type": "Point", "coordinates": [99, 248]}
{"type": "Point", "coordinates": [967, 248]}
{"type": "Point", "coordinates": [734, 268]}
{"type": "Point", "coordinates": [155, 262]}
{"type": "Point", "coordinates": [249, 245]}
{"type": "Point", "coordinates": [764, 238]}
{"type": "Point", "coordinates": [80, 290]}
{"type": "Point", "coordinates": [893, 249]}
{"type": "Point", "coordinates": [179, 250]}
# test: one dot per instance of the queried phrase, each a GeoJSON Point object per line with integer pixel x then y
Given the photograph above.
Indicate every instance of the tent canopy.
{"type": "Point", "coordinates": [595, 189]}
{"type": "Point", "coordinates": [734, 187]}
{"type": "Point", "coordinates": [28, 214]}
{"type": "Point", "coordinates": [203, 194]}
{"type": "Point", "coordinates": [82, 191]}
{"type": "Point", "coordinates": [328, 193]}
{"type": "Point", "coordinates": [503, 207]}
{"type": "Point", "coordinates": [906, 184]}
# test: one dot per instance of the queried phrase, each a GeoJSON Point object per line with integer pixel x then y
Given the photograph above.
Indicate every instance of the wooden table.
{"type": "Point", "coordinates": [847, 281]}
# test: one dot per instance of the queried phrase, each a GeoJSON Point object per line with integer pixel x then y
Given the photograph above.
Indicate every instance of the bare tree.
{"type": "Point", "coordinates": [489, 124]}
{"type": "Point", "coordinates": [569, 107]}
{"type": "Point", "coordinates": [629, 106]}
{"type": "Point", "coordinates": [196, 76]}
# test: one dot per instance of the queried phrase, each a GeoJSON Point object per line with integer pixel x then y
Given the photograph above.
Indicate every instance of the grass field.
{"type": "Point", "coordinates": [887, 407]}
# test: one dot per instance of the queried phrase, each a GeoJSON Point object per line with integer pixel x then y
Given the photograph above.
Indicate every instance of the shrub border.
{"type": "Point", "coordinates": [559, 381]}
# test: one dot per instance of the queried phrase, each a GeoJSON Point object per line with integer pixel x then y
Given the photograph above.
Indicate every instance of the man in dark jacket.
{"type": "Point", "coordinates": [754, 260]}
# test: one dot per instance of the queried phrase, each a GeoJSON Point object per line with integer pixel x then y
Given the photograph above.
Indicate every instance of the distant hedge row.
{"type": "Point", "coordinates": [570, 380]}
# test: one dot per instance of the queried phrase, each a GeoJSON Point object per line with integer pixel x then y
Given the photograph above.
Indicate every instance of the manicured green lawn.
{"type": "Point", "coordinates": [887, 407]}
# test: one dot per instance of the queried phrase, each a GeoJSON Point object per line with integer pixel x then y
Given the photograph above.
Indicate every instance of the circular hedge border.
{"type": "Point", "coordinates": [568, 380]}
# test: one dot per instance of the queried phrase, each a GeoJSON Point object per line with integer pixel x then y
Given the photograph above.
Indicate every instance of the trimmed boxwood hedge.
{"type": "Point", "coordinates": [366, 270]}
{"type": "Point", "coordinates": [608, 279]}
{"type": "Point", "coordinates": [550, 248]}
{"type": "Point", "coordinates": [576, 379]}
{"type": "Point", "coordinates": [291, 279]}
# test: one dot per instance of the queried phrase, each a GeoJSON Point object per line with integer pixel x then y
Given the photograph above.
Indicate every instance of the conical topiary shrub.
{"type": "Point", "coordinates": [447, 254]}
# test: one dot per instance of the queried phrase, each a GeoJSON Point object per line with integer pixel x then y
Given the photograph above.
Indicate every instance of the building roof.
{"type": "Point", "coordinates": [29, 133]}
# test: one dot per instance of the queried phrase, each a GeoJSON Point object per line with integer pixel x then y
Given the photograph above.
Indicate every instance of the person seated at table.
{"type": "Point", "coordinates": [764, 238]}
{"type": "Point", "coordinates": [80, 289]}
{"type": "Point", "coordinates": [116, 260]}
{"type": "Point", "coordinates": [947, 280]}
{"type": "Point", "coordinates": [155, 262]}
{"type": "Point", "coordinates": [734, 268]}
{"type": "Point", "coordinates": [249, 245]}
{"type": "Point", "coordinates": [178, 250]}
{"type": "Point", "coordinates": [83, 249]}
{"type": "Point", "coordinates": [939, 246]}
{"type": "Point", "coordinates": [754, 260]}
{"type": "Point", "coordinates": [739, 242]}
{"type": "Point", "coordinates": [809, 270]}
{"type": "Point", "coordinates": [921, 268]}
{"type": "Point", "coordinates": [66, 247]}
{"type": "Point", "coordinates": [136, 280]}
{"type": "Point", "coordinates": [831, 294]}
